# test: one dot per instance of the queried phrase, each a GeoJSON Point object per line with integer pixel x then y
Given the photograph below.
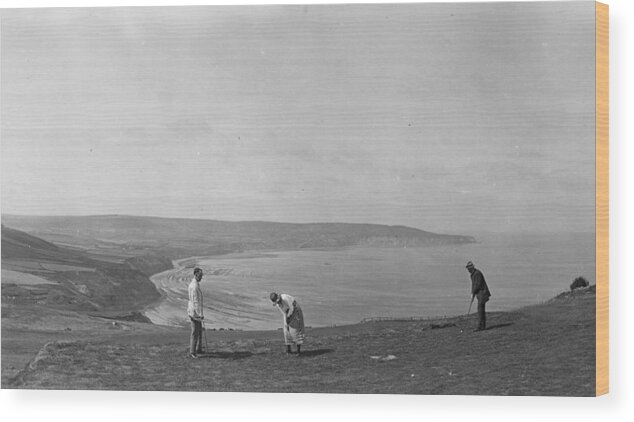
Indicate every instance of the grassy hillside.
{"type": "Point", "coordinates": [546, 349]}
{"type": "Point", "coordinates": [180, 238]}
{"type": "Point", "coordinates": [71, 279]}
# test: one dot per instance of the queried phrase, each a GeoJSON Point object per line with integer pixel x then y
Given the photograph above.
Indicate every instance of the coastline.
{"type": "Point", "coordinates": [347, 285]}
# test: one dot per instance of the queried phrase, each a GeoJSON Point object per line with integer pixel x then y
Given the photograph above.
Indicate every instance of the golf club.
{"type": "Point", "coordinates": [205, 335]}
{"type": "Point", "coordinates": [470, 303]}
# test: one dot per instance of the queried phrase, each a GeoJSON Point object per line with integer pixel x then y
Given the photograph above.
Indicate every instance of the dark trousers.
{"type": "Point", "coordinates": [196, 342]}
{"type": "Point", "coordinates": [482, 323]}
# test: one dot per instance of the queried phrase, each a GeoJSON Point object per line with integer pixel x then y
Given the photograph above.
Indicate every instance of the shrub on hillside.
{"type": "Point", "coordinates": [578, 283]}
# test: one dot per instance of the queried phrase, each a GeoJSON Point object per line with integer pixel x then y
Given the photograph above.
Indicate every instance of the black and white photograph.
{"type": "Point", "coordinates": [328, 198]}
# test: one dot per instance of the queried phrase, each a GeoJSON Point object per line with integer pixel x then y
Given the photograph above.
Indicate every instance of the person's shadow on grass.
{"type": "Point", "coordinates": [245, 354]}
{"type": "Point", "coordinates": [493, 327]}
{"type": "Point", "coordinates": [316, 352]}
{"type": "Point", "coordinates": [226, 355]}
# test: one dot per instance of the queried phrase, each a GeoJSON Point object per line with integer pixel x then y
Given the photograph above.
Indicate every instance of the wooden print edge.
{"type": "Point", "coordinates": [602, 197]}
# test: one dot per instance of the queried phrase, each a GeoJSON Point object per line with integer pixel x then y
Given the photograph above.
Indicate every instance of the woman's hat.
{"type": "Point", "coordinates": [274, 296]}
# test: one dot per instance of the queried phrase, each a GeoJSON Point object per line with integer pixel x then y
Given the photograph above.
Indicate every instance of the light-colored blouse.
{"type": "Point", "coordinates": [286, 305]}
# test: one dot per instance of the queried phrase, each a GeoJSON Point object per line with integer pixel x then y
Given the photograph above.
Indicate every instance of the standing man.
{"type": "Point", "coordinates": [195, 312]}
{"type": "Point", "coordinates": [480, 289]}
{"type": "Point", "coordinates": [293, 320]}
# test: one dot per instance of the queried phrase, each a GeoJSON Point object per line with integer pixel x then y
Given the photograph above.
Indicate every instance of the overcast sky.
{"type": "Point", "coordinates": [447, 117]}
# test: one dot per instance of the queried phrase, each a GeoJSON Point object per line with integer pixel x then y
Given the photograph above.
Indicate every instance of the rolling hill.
{"type": "Point", "coordinates": [180, 238]}
{"type": "Point", "coordinates": [38, 272]}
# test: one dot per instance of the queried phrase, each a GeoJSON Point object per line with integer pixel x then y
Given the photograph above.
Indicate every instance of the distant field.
{"type": "Point", "coordinates": [64, 267]}
{"type": "Point", "coordinates": [20, 265]}
{"type": "Point", "coordinates": [80, 282]}
{"type": "Point", "coordinates": [23, 279]}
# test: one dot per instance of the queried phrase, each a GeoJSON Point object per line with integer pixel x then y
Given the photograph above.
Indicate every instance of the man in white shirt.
{"type": "Point", "coordinates": [195, 312]}
{"type": "Point", "coordinates": [293, 320]}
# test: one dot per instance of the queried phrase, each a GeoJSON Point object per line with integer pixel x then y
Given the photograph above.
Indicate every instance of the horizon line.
{"type": "Point", "coordinates": [480, 231]}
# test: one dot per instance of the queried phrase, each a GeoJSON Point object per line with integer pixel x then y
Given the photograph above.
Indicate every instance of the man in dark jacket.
{"type": "Point", "coordinates": [480, 290]}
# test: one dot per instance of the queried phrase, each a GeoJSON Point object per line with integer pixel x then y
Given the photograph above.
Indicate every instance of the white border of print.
{"type": "Point", "coordinates": [96, 406]}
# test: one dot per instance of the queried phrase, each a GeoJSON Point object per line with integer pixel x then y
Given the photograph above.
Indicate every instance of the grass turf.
{"type": "Point", "coordinates": [547, 349]}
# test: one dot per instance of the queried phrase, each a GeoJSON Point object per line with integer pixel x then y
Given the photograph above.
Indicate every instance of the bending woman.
{"type": "Point", "coordinates": [293, 320]}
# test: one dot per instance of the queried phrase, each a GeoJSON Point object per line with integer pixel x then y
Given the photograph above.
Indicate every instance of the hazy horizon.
{"type": "Point", "coordinates": [475, 232]}
{"type": "Point", "coordinates": [450, 118]}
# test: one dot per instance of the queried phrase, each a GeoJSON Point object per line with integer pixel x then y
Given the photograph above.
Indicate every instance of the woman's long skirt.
{"type": "Point", "coordinates": [294, 329]}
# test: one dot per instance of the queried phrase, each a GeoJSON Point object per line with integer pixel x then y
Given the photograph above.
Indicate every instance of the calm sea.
{"type": "Point", "coordinates": [344, 286]}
